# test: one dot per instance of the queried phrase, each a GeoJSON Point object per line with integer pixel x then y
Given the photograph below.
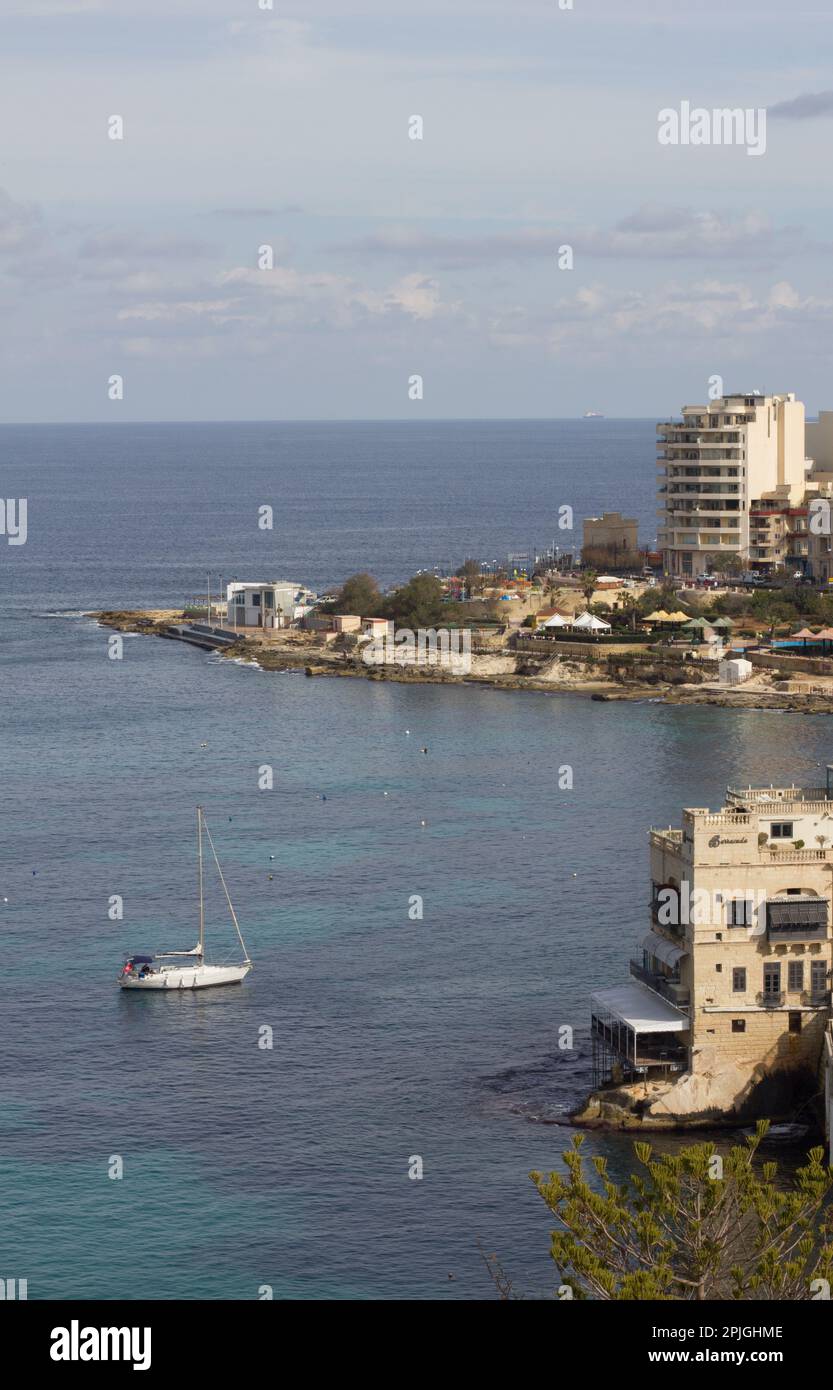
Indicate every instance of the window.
{"type": "Point", "coordinates": [772, 980]}
{"type": "Point", "coordinates": [795, 974]}
{"type": "Point", "coordinates": [255, 600]}
{"type": "Point", "coordinates": [269, 598]}
{"type": "Point", "coordinates": [741, 912]}
{"type": "Point", "coordinates": [738, 1025]}
{"type": "Point", "coordinates": [795, 1022]}
{"type": "Point", "coordinates": [782, 830]}
{"type": "Point", "coordinates": [739, 979]}
{"type": "Point", "coordinates": [818, 977]}
{"type": "Point", "coordinates": [718, 967]}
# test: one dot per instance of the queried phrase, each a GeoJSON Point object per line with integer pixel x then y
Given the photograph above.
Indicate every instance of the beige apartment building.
{"type": "Point", "coordinates": [714, 464]}
{"type": "Point", "coordinates": [726, 1009]}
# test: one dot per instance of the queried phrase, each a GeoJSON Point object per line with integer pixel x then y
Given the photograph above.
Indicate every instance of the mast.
{"type": "Point", "coordinates": [202, 898]}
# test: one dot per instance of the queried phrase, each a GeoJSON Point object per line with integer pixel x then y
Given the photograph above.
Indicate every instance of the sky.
{"type": "Point", "coordinates": [289, 128]}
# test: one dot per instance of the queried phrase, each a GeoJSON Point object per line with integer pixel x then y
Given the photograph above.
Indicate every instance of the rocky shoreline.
{"type": "Point", "coordinates": [613, 678]}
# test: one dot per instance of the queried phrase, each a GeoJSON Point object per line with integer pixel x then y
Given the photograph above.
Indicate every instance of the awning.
{"type": "Point", "coordinates": [797, 912]}
{"type": "Point", "coordinates": [639, 1008]}
{"type": "Point", "coordinates": [661, 949]}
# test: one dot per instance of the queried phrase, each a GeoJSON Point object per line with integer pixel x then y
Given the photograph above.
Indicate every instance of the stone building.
{"type": "Point", "coordinates": [609, 540]}
{"type": "Point", "coordinates": [726, 1009]}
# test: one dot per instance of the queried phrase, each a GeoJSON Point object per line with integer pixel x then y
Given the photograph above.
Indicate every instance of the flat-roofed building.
{"type": "Point", "coordinates": [261, 605]}
{"type": "Point", "coordinates": [714, 464]}
{"type": "Point", "coordinates": [609, 539]}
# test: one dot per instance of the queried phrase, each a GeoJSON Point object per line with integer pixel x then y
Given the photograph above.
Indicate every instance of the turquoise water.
{"type": "Point", "coordinates": [288, 1167]}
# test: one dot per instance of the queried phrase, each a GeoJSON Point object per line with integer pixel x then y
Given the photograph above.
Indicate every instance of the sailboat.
{"type": "Point", "coordinates": [189, 969]}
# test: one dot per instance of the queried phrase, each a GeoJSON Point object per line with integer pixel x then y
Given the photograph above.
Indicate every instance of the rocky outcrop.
{"type": "Point", "coordinates": [726, 1096]}
{"type": "Point", "coordinates": [605, 674]}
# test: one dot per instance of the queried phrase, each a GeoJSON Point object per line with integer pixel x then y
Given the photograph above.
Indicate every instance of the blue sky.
{"type": "Point", "coordinates": [289, 127]}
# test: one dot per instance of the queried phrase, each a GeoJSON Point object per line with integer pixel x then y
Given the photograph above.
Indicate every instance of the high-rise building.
{"type": "Point", "coordinates": [716, 464]}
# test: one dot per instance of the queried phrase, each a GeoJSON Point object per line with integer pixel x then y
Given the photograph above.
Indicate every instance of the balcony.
{"type": "Point", "coordinates": [667, 986]}
{"type": "Point", "coordinates": [796, 919]}
{"type": "Point", "coordinates": [670, 839]}
{"type": "Point", "coordinates": [771, 999]}
{"type": "Point", "coordinates": [816, 999]}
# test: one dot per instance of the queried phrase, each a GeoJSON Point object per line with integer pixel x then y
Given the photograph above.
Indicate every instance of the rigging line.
{"type": "Point", "coordinates": [225, 890]}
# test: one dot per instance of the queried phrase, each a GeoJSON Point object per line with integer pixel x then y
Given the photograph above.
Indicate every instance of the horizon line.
{"type": "Point", "coordinates": [336, 420]}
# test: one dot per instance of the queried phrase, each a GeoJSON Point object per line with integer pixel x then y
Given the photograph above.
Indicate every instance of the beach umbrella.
{"type": "Point", "coordinates": [660, 616]}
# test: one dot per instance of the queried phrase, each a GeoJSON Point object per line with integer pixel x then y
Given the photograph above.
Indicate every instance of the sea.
{"type": "Point", "coordinates": [359, 1119]}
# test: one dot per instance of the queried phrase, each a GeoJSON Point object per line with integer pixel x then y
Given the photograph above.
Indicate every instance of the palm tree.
{"type": "Point", "coordinates": [630, 606]}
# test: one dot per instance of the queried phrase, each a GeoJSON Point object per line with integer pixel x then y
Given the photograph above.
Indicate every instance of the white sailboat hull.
{"type": "Point", "coordinates": [188, 977]}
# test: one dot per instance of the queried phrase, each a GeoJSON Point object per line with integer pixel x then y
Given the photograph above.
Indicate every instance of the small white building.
{"type": "Point", "coordinates": [261, 605]}
{"type": "Point", "coordinates": [735, 670]}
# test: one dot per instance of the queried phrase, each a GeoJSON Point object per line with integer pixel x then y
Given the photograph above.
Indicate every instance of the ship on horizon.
{"type": "Point", "coordinates": [592, 415]}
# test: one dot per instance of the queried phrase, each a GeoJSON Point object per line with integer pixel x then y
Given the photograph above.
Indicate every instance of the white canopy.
{"type": "Point", "coordinates": [556, 621]}
{"type": "Point", "coordinates": [591, 623]}
{"type": "Point", "coordinates": [663, 950]}
{"type": "Point", "coordinates": [639, 1008]}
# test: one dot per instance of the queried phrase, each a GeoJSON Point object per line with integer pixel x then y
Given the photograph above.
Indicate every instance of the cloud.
{"type": "Point", "coordinates": [256, 212]}
{"type": "Point", "coordinates": [21, 229]}
{"type": "Point", "coordinates": [712, 313]}
{"type": "Point", "coordinates": [804, 107]}
{"type": "Point", "coordinates": [654, 232]}
{"type": "Point", "coordinates": [258, 306]}
{"type": "Point", "coordinates": [122, 247]}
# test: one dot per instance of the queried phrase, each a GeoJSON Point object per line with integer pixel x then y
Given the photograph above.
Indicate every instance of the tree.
{"type": "Point", "coordinates": [721, 563]}
{"type": "Point", "coordinates": [472, 576]}
{"type": "Point", "coordinates": [630, 609]}
{"type": "Point", "coordinates": [359, 594]}
{"type": "Point", "coordinates": [419, 603]}
{"type": "Point", "coordinates": [770, 609]}
{"type": "Point", "coordinates": [588, 587]}
{"type": "Point", "coordinates": [692, 1226]}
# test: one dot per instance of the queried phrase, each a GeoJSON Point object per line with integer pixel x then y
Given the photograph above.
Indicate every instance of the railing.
{"type": "Point", "coordinates": [660, 1054]}
{"type": "Point", "coordinates": [816, 999]}
{"type": "Point", "coordinates": [666, 839]}
{"type": "Point", "coordinates": [665, 985]}
{"type": "Point", "coordinates": [771, 999]}
{"type": "Point", "coordinates": [787, 794]}
{"type": "Point", "coordinates": [796, 856]}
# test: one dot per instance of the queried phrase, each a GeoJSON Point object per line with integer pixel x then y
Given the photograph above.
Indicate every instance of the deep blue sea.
{"type": "Point", "coordinates": [288, 1167]}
